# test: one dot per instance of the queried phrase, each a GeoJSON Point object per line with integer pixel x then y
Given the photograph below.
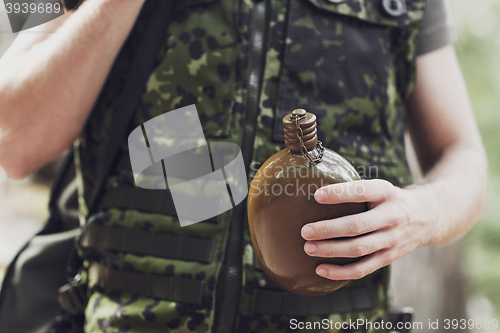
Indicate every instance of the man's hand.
{"type": "Point", "coordinates": [392, 227]}
{"type": "Point", "coordinates": [439, 210]}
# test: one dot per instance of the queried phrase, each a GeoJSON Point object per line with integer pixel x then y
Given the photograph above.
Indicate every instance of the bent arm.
{"type": "Point", "coordinates": [448, 146]}
{"type": "Point", "coordinates": [50, 83]}
{"type": "Point", "coordinates": [435, 212]}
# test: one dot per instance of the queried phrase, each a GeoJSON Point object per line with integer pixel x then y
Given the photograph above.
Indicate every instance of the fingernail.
{"type": "Point", "coordinates": [322, 272]}
{"type": "Point", "coordinates": [307, 232]}
{"type": "Point", "coordinates": [320, 195]}
{"type": "Point", "coordinates": [311, 248]}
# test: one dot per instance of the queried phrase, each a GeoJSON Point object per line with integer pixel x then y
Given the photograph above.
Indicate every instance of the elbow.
{"type": "Point", "coordinates": [20, 155]}
{"type": "Point", "coordinates": [13, 158]}
{"type": "Point", "coordinates": [12, 155]}
{"type": "Point", "coordinates": [17, 157]}
{"type": "Point", "coordinates": [15, 166]}
{"type": "Point", "coordinates": [17, 174]}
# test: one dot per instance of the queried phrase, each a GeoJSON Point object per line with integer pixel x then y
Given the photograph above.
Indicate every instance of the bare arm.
{"type": "Point", "coordinates": [440, 210]}
{"type": "Point", "coordinates": [49, 83]}
{"type": "Point", "coordinates": [448, 145]}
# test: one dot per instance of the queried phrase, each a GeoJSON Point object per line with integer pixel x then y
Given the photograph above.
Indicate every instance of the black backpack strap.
{"type": "Point", "coordinates": [19, 277]}
{"type": "Point", "coordinates": [65, 176]}
{"type": "Point", "coordinates": [142, 66]}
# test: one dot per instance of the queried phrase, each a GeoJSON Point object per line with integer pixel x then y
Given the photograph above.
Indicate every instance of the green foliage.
{"type": "Point", "coordinates": [478, 49]}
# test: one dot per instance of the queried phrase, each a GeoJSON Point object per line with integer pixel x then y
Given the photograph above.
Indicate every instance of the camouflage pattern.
{"type": "Point", "coordinates": [351, 64]}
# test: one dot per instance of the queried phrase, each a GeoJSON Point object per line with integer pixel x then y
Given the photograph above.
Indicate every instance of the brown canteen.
{"type": "Point", "coordinates": [281, 201]}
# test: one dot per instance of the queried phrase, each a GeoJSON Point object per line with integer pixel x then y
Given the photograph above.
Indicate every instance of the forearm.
{"type": "Point", "coordinates": [437, 211]}
{"type": "Point", "coordinates": [449, 147]}
{"type": "Point", "coordinates": [452, 196]}
{"type": "Point", "coordinates": [48, 91]}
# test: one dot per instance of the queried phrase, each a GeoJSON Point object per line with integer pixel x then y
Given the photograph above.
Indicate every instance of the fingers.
{"type": "Point", "coordinates": [360, 269]}
{"type": "Point", "coordinates": [357, 191]}
{"type": "Point", "coordinates": [351, 248]}
{"type": "Point", "coordinates": [352, 225]}
{"type": "Point", "coordinates": [377, 247]}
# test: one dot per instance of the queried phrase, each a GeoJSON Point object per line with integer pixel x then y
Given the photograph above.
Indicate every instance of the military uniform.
{"type": "Point", "coordinates": [246, 64]}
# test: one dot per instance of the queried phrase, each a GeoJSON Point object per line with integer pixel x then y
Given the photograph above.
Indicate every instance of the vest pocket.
{"type": "Point", "coordinates": [352, 64]}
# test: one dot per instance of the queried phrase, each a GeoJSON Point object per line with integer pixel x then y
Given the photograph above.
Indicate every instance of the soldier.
{"type": "Point", "coordinates": [369, 69]}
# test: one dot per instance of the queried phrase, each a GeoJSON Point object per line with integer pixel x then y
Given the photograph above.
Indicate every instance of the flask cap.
{"type": "Point", "coordinates": [300, 130]}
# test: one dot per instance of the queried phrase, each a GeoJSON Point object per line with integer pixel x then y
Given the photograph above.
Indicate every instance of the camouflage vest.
{"type": "Point", "coordinates": [246, 64]}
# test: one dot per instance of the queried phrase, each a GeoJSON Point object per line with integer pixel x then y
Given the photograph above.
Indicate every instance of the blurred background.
{"type": "Point", "coordinates": [455, 282]}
